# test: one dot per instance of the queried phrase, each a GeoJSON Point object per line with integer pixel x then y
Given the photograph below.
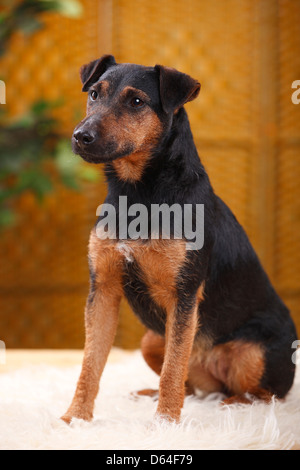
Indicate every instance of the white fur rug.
{"type": "Point", "coordinates": [33, 398]}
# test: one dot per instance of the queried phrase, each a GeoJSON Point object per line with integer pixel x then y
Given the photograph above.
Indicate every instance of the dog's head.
{"type": "Point", "coordinates": [129, 108]}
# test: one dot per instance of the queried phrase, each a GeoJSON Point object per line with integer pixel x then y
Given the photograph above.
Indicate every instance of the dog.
{"type": "Point", "coordinates": [214, 322]}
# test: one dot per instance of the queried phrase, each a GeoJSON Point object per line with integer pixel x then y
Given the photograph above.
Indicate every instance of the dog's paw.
{"type": "Point", "coordinates": [236, 399]}
{"type": "Point", "coordinates": [167, 417]}
{"type": "Point", "coordinates": [67, 417]}
{"type": "Point", "coordinates": [147, 392]}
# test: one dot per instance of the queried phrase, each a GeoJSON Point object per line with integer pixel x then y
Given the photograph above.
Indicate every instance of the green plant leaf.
{"type": "Point", "coordinates": [35, 180]}
{"type": "Point", "coordinates": [29, 25]}
{"type": "Point", "coordinates": [70, 164]}
{"type": "Point", "coordinates": [40, 107]}
{"type": "Point", "coordinates": [7, 217]}
{"type": "Point", "coordinates": [88, 174]}
{"type": "Point", "coordinates": [69, 8]}
{"type": "Point", "coordinates": [65, 158]}
{"type": "Point", "coordinates": [70, 181]}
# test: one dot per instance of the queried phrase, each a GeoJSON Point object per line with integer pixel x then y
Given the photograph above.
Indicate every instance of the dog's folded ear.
{"type": "Point", "coordinates": [91, 72]}
{"type": "Point", "coordinates": [176, 88]}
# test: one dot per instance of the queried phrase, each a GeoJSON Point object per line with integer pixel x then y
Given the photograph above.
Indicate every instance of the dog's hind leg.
{"type": "Point", "coordinates": [261, 394]}
{"type": "Point", "coordinates": [200, 378]}
{"type": "Point", "coordinates": [240, 366]}
{"type": "Point", "coordinates": [153, 349]}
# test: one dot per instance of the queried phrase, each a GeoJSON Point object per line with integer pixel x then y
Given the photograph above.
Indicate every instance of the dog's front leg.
{"type": "Point", "coordinates": [180, 333]}
{"type": "Point", "coordinates": [101, 318]}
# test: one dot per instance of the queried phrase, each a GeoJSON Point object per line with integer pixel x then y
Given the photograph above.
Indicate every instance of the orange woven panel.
{"type": "Point", "coordinates": [246, 128]}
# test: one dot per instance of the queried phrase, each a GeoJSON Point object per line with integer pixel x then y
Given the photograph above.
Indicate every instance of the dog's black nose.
{"type": "Point", "coordinates": [84, 137]}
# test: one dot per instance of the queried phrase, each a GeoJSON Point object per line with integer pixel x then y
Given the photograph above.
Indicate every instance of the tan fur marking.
{"type": "Point", "coordinates": [238, 364]}
{"type": "Point", "coordinates": [101, 319]}
{"type": "Point", "coordinates": [147, 392]}
{"type": "Point", "coordinates": [153, 349]}
{"type": "Point", "coordinates": [175, 368]}
{"type": "Point", "coordinates": [142, 133]}
{"type": "Point", "coordinates": [200, 293]}
{"type": "Point", "coordinates": [104, 87]}
{"type": "Point", "coordinates": [161, 261]}
{"type": "Point", "coordinates": [139, 93]}
{"type": "Point", "coordinates": [201, 379]}
{"type": "Point", "coordinates": [106, 261]}
{"type": "Point", "coordinates": [131, 168]}
{"type": "Point", "coordinates": [236, 399]}
{"type": "Point", "coordinates": [199, 376]}
{"type": "Point", "coordinates": [261, 394]}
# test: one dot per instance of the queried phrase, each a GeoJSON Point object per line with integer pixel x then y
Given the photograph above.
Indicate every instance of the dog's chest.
{"type": "Point", "coordinates": [156, 265]}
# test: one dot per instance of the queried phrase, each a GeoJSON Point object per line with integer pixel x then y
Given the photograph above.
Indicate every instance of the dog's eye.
{"type": "Point", "coordinates": [137, 103]}
{"type": "Point", "coordinates": [94, 95]}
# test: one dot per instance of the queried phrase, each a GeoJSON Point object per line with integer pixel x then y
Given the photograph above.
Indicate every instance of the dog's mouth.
{"type": "Point", "coordinates": [97, 153]}
{"type": "Point", "coordinates": [89, 157]}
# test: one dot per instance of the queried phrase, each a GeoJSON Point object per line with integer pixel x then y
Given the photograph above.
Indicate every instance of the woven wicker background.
{"type": "Point", "coordinates": [246, 54]}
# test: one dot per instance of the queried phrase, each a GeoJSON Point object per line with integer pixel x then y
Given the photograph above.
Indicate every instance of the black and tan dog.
{"type": "Point", "coordinates": [214, 321]}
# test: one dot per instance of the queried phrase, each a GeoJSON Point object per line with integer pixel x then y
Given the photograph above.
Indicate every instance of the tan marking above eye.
{"type": "Point", "coordinates": [104, 87]}
{"type": "Point", "coordinates": [101, 88]}
{"type": "Point", "coordinates": [135, 93]}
